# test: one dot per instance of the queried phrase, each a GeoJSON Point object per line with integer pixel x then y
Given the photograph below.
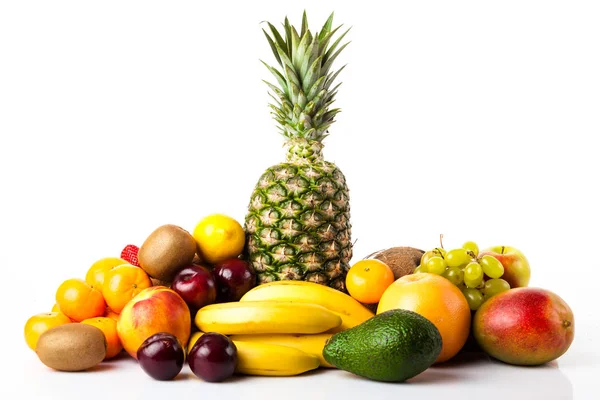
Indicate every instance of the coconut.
{"type": "Point", "coordinates": [402, 260]}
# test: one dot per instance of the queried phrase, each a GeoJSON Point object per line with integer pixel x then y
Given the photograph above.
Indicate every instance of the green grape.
{"type": "Point", "coordinates": [440, 252]}
{"type": "Point", "coordinates": [474, 298]}
{"type": "Point", "coordinates": [436, 265]}
{"type": "Point", "coordinates": [473, 271]}
{"type": "Point", "coordinates": [494, 286]}
{"type": "Point", "coordinates": [437, 252]}
{"type": "Point", "coordinates": [457, 257]}
{"type": "Point", "coordinates": [420, 268]}
{"type": "Point", "coordinates": [473, 275]}
{"type": "Point", "coordinates": [426, 256]}
{"type": "Point", "coordinates": [472, 247]}
{"type": "Point", "coordinates": [491, 266]}
{"type": "Point", "coordinates": [454, 275]}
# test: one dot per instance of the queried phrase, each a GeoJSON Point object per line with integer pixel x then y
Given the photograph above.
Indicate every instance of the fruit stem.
{"type": "Point", "coordinates": [566, 324]}
{"type": "Point", "coordinates": [441, 237]}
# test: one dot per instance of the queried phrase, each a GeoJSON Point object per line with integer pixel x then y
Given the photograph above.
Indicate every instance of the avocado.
{"type": "Point", "coordinates": [392, 346]}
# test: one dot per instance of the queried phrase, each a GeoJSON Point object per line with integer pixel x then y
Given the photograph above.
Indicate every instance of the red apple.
{"type": "Point", "coordinates": [196, 285]}
{"type": "Point", "coordinates": [234, 278]}
{"type": "Point", "coordinates": [516, 266]}
{"type": "Point", "coordinates": [524, 326]}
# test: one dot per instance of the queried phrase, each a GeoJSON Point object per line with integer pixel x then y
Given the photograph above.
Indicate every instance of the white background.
{"type": "Point", "coordinates": [474, 119]}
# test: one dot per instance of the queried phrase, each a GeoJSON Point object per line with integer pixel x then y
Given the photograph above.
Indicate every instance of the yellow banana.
{"type": "Point", "coordinates": [272, 360]}
{"type": "Point", "coordinates": [193, 339]}
{"type": "Point", "coordinates": [257, 317]}
{"type": "Point", "coordinates": [269, 359]}
{"type": "Point", "coordinates": [311, 344]}
{"type": "Point", "coordinates": [349, 309]}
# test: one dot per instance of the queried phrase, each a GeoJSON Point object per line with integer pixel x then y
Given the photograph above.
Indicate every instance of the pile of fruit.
{"type": "Point", "coordinates": [193, 297]}
{"type": "Point", "coordinates": [278, 295]}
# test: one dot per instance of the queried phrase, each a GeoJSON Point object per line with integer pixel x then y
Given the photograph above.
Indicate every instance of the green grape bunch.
{"type": "Point", "coordinates": [478, 278]}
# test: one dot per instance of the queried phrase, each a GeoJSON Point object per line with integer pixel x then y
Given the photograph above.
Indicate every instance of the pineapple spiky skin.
{"type": "Point", "coordinates": [298, 222]}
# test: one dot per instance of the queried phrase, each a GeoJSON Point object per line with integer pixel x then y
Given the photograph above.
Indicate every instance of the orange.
{"type": "Point", "coordinates": [438, 300]}
{"type": "Point", "coordinates": [78, 300]}
{"type": "Point", "coordinates": [111, 314]}
{"type": "Point", "coordinates": [40, 323]}
{"type": "Point", "coordinates": [108, 326]}
{"type": "Point", "coordinates": [95, 274]}
{"type": "Point", "coordinates": [123, 283]}
{"type": "Point", "coordinates": [368, 279]}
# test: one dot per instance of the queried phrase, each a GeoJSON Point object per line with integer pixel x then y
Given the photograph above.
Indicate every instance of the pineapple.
{"type": "Point", "coordinates": [298, 220]}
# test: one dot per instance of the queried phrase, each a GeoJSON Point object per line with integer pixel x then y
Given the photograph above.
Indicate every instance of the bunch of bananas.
{"type": "Point", "coordinates": [280, 328]}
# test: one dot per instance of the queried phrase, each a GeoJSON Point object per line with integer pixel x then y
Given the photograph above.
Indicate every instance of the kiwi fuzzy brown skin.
{"type": "Point", "coordinates": [158, 282]}
{"type": "Point", "coordinates": [72, 347]}
{"type": "Point", "coordinates": [166, 250]}
{"type": "Point", "coordinates": [402, 259]}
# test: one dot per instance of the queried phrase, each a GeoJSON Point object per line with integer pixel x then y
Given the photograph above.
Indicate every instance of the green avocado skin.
{"type": "Point", "coordinates": [392, 347]}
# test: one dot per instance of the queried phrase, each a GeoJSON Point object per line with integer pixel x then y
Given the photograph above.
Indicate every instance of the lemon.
{"type": "Point", "coordinates": [219, 237]}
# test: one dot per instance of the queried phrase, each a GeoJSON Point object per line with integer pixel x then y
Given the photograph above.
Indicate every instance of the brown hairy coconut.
{"type": "Point", "coordinates": [402, 259]}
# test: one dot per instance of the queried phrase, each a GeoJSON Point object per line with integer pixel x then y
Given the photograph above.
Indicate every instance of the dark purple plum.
{"type": "Point", "coordinates": [234, 278]}
{"type": "Point", "coordinates": [161, 356]}
{"type": "Point", "coordinates": [213, 357]}
{"type": "Point", "coordinates": [196, 285]}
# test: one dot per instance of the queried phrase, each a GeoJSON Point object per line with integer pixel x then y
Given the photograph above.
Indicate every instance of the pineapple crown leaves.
{"type": "Point", "coordinates": [301, 103]}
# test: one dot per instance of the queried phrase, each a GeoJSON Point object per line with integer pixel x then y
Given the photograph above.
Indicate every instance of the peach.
{"type": "Point", "coordinates": [155, 309]}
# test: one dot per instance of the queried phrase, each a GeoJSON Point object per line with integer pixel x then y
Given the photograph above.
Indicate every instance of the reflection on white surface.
{"type": "Point", "coordinates": [469, 375]}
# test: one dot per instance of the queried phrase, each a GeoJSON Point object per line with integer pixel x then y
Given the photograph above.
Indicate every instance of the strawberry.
{"type": "Point", "coordinates": [130, 253]}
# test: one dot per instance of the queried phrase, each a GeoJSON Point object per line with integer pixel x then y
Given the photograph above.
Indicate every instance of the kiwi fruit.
{"type": "Point", "coordinates": [72, 347]}
{"type": "Point", "coordinates": [158, 282]}
{"type": "Point", "coordinates": [402, 259]}
{"type": "Point", "coordinates": [168, 249]}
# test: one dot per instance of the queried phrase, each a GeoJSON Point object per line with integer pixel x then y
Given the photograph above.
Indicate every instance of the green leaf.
{"type": "Point", "coordinates": [318, 117]}
{"type": "Point", "coordinates": [288, 36]}
{"type": "Point", "coordinates": [329, 115]}
{"type": "Point", "coordinates": [278, 39]}
{"type": "Point", "coordinates": [287, 62]}
{"type": "Point", "coordinates": [287, 108]}
{"type": "Point", "coordinates": [275, 89]}
{"type": "Point", "coordinates": [278, 76]}
{"type": "Point", "coordinates": [310, 107]}
{"type": "Point", "coordinates": [334, 45]}
{"type": "Point", "coordinates": [323, 127]}
{"type": "Point", "coordinates": [331, 77]}
{"type": "Point", "coordinates": [276, 100]}
{"type": "Point", "coordinates": [273, 48]}
{"type": "Point", "coordinates": [319, 98]}
{"type": "Point", "coordinates": [312, 75]}
{"type": "Point", "coordinates": [330, 96]}
{"type": "Point", "coordinates": [305, 120]}
{"type": "Point", "coordinates": [310, 134]}
{"type": "Point", "coordinates": [316, 88]}
{"type": "Point", "coordinates": [276, 111]}
{"type": "Point", "coordinates": [294, 93]}
{"type": "Point", "coordinates": [302, 100]}
{"type": "Point", "coordinates": [327, 27]}
{"type": "Point", "coordinates": [291, 76]}
{"type": "Point", "coordinates": [331, 59]}
{"type": "Point", "coordinates": [295, 42]}
{"type": "Point", "coordinates": [324, 41]}
{"type": "Point", "coordinates": [301, 50]}
{"type": "Point", "coordinates": [304, 23]}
